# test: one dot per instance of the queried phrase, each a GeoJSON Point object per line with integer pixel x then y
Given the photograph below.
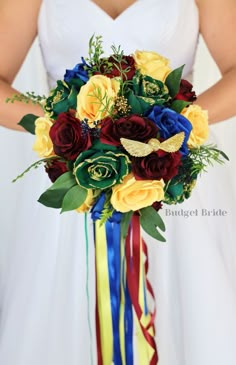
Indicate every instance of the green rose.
{"type": "Point", "coordinates": [177, 193]}
{"type": "Point", "coordinates": [61, 99]}
{"type": "Point", "coordinates": [147, 92]}
{"type": "Point", "coordinates": [181, 186]}
{"type": "Point", "coordinates": [101, 167]}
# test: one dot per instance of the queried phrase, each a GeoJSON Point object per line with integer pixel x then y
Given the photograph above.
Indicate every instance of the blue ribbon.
{"type": "Point", "coordinates": [114, 263]}
{"type": "Point", "coordinates": [145, 298]}
{"type": "Point", "coordinates": [113, 237]}
{"type": "Point", "coordinates": [96, 210]}
{"type": "Point", "coordinates": [128, 319]}
{"type": "Point", "coordinates": [87, 286]}
{"type": "Point", "coordinates": [112, 227]}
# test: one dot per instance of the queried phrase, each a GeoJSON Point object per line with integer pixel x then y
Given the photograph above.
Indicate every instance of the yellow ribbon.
{"type": "Point", "coordinates": [145, 351]}
{"type": "Point", "coordinates": [103, 294]}
{"type": "Point", "coordinates": [122, 304]}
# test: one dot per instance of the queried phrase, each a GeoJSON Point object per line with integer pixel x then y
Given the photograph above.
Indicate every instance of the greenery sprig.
{"type": "Point", "coordinates": [35, 165]}
{"type": "Point", "coordinates": [95, 53]}
{"type": "Point", "coordinates": [205, 156]}
{"type": "Point", "coordinates": [100, 64]}
{"type": "Point", "coordinates": [103, 100]}
{"type": "Point", "coordinates": [108, 210]}
{"type": "Point", "coordinates": [197, 161]}
{"type": "Point", "coordinates": [28, 97]}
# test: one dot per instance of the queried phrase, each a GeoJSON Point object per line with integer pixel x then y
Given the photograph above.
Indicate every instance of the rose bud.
{"type": "Point", "coordinates": [157, 206]}
{"type": "Point", "coordinates": [185, 92]}
{"type": "Point", "coordinates": [55, 169]}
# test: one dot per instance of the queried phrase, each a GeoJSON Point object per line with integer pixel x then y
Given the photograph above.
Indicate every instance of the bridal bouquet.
{"type": "Point", "coordinates": [120, 136]}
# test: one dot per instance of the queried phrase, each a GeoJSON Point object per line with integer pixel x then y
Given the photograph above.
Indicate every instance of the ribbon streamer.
{"type": "Point", "coordinates": [148, 353]}
{"type": "Point", "coordinates": [103, 295]}
{"type": "Point", "coordinates": [114, 268]}
{"type": "Point", "coordinates": [87, 285]}
{"type": "Point", "coordinates": [121, 286]}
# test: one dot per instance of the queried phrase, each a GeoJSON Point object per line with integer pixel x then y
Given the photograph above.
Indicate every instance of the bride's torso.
{"type": "Point", "coordinates": [168, 27]}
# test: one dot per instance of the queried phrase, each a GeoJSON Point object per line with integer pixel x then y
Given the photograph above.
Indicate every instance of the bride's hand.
{"type": "Point", "coordinates": [218, 28]}
{"type": "Point", "coordinates": [18, 29]}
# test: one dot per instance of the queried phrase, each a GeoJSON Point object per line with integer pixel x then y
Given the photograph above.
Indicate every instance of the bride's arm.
{"type": "Point", "coordinates": [18, 29]}
{"type": "Point", "coordinates": [218, 28]}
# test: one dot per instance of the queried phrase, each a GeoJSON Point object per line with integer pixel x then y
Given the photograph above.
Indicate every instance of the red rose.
{"type": "Point", "coordinates": [185, 92]}
{"type": "Point", "coordinates": [68, 137]}
{"type": "Point", "coordinates": [131, 127]}
{"type": "Point", "coordinates": [157, 206]}
{"type": "Point", "coordinates": [55, 169]}
{"type": "Point", "coordinates": [113, 70]}
{"type": "Point", "coordinates": [158, 165]}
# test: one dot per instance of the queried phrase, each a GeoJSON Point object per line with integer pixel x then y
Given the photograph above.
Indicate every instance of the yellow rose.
{"type": "Point", "coordinates": [43, 145]}
{"type": "Point", "coordinates": [135, 194]}
{"type": "Point", "coordinates": [87, 204]}
{"type": "Point", "coordinates": [152, 64]}
{"type": "Point", "coordinates": [199, 120]}
{"type": "Point", "coordinates": [90, 101]}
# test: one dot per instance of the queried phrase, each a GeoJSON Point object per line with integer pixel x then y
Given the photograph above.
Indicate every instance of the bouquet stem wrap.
{"type": "Point", "coordinates": [123, 291]}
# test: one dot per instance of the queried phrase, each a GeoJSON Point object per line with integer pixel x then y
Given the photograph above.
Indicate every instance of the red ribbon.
{"type": "Point", "coordinates": [148, 284]}
{"type": "Point", "coordinates": [133, 265]}
{"type": "Point", "coordinates": [132, 251]}
{"type": "Point", "coordinates": [98, 337]}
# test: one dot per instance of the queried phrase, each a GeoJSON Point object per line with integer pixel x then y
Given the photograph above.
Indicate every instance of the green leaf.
{"type": "Point", "coordinates": [77, 83]}
{"type": "Point", "coordinates": [153, 215]}
{"type": "Point", "coordinates": [125, 221]}
{"type": "Point", "coordinates": [65, 181]}
{"type": "Point", "coordinates": [138, 104]}
{"type": "Point", "coordinates": [99, 146]}
{"type": "Point", "coordinates": [27, 122]}
{"type": "Point", "coordinates": [150, 220]}
{"type": "Point", "coordinates": [134, 103]}
{"type": "Point", "coordinates": [53, 197]}
{"type": "Point", "coordinates": [173, 81]}
{"type": "Point", "coordinates": [74, 198]}
{"type": "Point", "coordinates": [179, 105]}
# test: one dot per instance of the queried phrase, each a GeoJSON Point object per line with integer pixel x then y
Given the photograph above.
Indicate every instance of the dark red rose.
{"type": "Point", "coordinates": [55, 169]}
{"type": "Point", "coordinates": [67, 136]}
{"type": "Point", "coordinates": [157, 206]}
{"type": "Point", "coordinates": [158, 165]}
{"type": "Point", "coordinates": [131, 127]}
{"type": "Point", "coordinates": [113, 70]}
{"type": "Point", "coordinates": [185, 92]}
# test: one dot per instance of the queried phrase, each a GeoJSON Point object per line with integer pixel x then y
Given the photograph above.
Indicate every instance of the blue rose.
{"type": "Point", "coordinates": [170, 123]}
{"type": "Point", "coordinates": [78, 72]}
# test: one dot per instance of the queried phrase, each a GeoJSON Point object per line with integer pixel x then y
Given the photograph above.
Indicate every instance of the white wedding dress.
{"type": "Point", "coordinates": [43, 303]}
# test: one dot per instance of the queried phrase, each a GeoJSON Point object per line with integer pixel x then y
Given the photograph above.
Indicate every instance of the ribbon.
{"type": "Point", "coordinates": [108, 272]}
{"type": "Point", "coordinates": [122, 284]}
{"type": "Point", "coordinates": [128, 320]}
{"type": "Point", "coordinates": [122, 304]}
{"type": "Point", "coordinates": [99, 346]}
{"type": "Point", "coordinates": [103, 295]}
{"type": "Point", "coordinates": [87, 285]}
{"type": "Point", "coordinates": [114, 267]}
{"type": "Point", "coordinates": [135, 244]}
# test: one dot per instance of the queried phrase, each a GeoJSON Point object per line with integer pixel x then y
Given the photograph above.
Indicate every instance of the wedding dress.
{"type": "Point", "coordinates": [44, 296]}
